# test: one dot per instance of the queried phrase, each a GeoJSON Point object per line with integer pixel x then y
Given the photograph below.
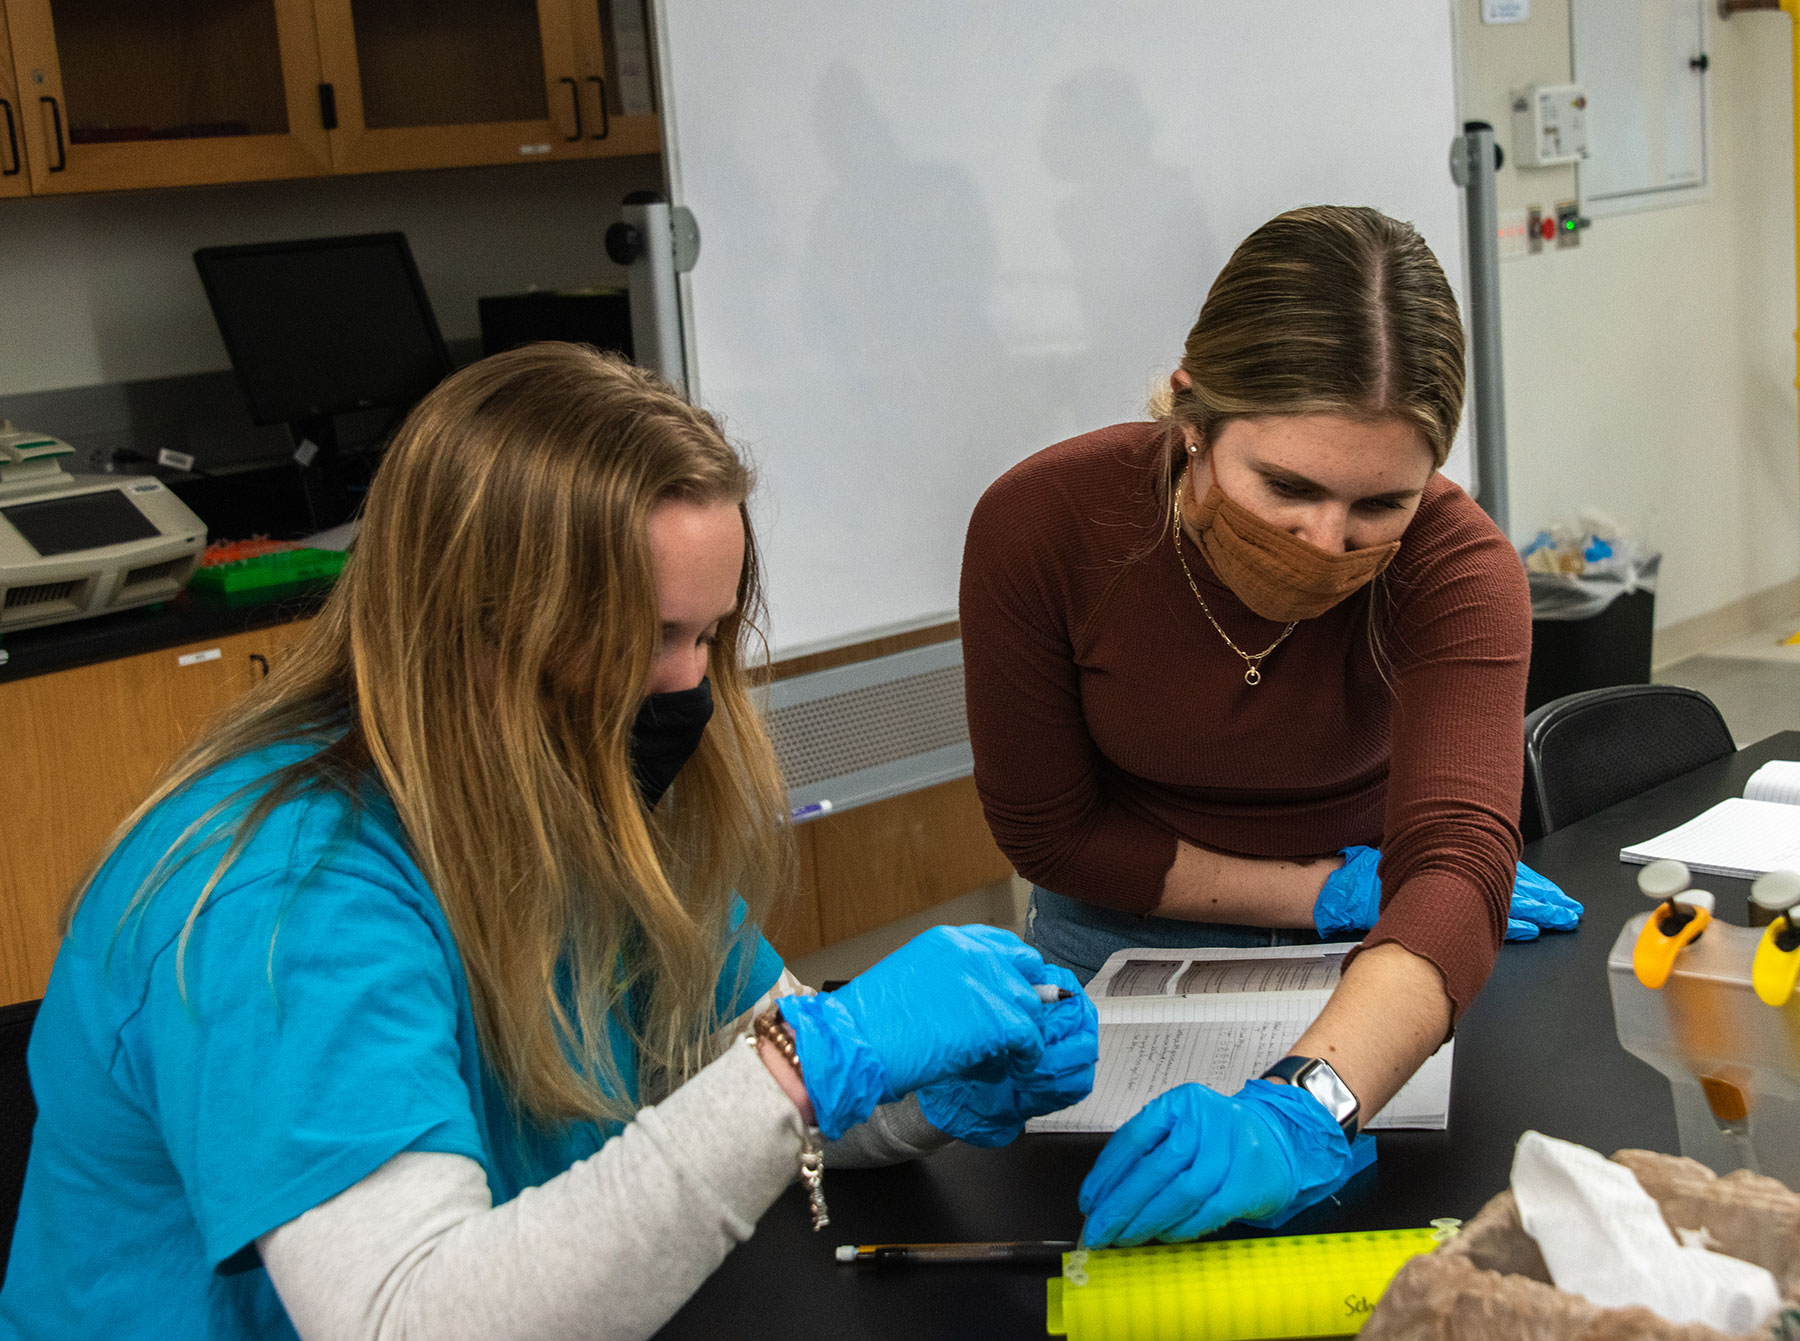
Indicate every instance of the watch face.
{"type": "Point", "coordinates": [1318, 1079]}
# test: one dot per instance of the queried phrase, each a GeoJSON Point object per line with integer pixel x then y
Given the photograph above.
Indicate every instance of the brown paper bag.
{"type": "Point", "coordinates": [1490, 1283]}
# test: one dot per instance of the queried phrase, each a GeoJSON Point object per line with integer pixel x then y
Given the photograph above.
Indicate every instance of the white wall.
{"type": "Point", "coordinates": [102, 288]}
{"type": "Point", "coordinates": [1650, 372]}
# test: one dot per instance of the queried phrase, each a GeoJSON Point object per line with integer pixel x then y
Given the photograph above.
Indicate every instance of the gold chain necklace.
{"type": "Point", "coordinates": [1252, 675]}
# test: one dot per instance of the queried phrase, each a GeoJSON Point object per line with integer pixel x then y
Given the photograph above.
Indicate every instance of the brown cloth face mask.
{"type": "Point", "coordinates": [1279, 575]}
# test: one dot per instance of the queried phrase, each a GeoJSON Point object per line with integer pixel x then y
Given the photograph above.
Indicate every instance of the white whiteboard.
{"type": "Point", "coordinates": [938, 235]}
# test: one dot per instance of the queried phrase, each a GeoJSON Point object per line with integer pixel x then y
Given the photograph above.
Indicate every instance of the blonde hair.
{"type": "Point", "coordinates": [484, 657]}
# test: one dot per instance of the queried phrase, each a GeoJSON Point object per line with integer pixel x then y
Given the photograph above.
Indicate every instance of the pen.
{"type": "Point", "coordinates": [810, 811]}
{"type": "Point", "coordinates": [1050, 995]}
{"type": "Point", "coordinates": [1047, 1251]}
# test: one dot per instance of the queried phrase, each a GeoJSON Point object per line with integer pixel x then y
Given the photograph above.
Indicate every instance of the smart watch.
{"type": "Point", "coordinates": [1315, 1076]}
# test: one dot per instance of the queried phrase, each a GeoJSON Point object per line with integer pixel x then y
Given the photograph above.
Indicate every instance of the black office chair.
{"type": "Point", "coordinates": [18, 1111]}
{"type": "Point", "coordinates": [1587, 751]}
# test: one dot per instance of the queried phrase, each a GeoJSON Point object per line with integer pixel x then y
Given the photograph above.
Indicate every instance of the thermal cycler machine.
{"type": "Point", "coordinates": [78, 545]}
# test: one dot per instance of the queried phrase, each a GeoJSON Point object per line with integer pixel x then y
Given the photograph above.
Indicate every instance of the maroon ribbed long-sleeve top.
{"type": "Point", "coordinates": [1110, 720]}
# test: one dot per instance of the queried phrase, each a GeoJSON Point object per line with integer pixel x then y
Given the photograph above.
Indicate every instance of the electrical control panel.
{"type": "Point", "coordinates": [1549, 125]}
{"type": "Point", "coordinates": [1569, 223]}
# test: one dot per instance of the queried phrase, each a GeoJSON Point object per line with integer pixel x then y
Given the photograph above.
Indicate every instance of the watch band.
{"type": "Point", "coordinates": [1316, 1076]}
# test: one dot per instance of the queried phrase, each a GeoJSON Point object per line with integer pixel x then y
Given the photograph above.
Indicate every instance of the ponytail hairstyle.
{"type": "Point", "coordinates": [482, 659]}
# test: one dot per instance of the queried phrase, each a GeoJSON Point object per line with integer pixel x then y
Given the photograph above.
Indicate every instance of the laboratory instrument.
{"type": "Point", "coordinates": [72, 546]}
{"type": "Point", "coordinates": [1686, 1000]}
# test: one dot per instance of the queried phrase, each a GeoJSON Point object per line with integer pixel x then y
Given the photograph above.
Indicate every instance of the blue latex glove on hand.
{"type": "Point", "coordinates": [1193, 1160]}
{"type": "Point", "coordinates": [992, 1111]}
{"type": "Point", "coordinates": [1351, 900]}
{"type": "Point", "coordinates": [951, 1000]}
{"type": "Point", "coordinates": [1537, 904]}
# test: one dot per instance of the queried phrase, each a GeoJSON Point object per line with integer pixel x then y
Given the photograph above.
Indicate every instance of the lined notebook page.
{"type": "Point", "coordinates": [1738, 838]}
{"type": "Point", "coordinates": [1777, 780]}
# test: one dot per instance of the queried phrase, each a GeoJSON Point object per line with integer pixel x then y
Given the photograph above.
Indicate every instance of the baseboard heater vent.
{"type": "Point", "coordinates": [872, 730]}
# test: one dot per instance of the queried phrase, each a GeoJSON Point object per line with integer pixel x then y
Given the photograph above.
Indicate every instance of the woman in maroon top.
{"type": "Point", "coordinates": [1255, 673]}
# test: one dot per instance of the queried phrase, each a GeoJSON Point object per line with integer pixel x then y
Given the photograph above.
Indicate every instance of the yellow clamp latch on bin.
{"type": "Point", "coordinates": [1670, 930]}
{"type": "Point", "coordinates": [1777, 960]}
{"type": "Point", "coordinates": [1676, 924]}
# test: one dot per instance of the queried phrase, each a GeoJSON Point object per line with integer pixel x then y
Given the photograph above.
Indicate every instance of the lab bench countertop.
{"type": "Point", "coordinates": [185, 619]}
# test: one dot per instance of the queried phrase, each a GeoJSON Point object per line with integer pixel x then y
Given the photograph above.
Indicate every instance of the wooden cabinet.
{"type": "Point", "coordinates": [116, 96]}
{"type": "Point", "coordinates": [14, 179]}
{"type": "Point", "coordinates": [612, 42]}
{"type": "Point", "coordinates": [863, 868]}
{"type": "Point", "coordinates": [176, 93]}
{"type": "Point", "coordinates": [873, 865]}
{"type": "Point", "coordinates": [86, 745]}
{"type": "Point", "coordinates": [449, 83]}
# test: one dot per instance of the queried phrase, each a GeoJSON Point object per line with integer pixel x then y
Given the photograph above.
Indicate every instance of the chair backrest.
{"type": "Point", "coordinates": [1587, 751]}
{"type": "Point", "coordinates": [18, 1111]}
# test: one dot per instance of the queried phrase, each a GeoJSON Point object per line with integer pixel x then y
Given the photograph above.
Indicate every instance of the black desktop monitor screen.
{"type": "Point", "coordinates": [325, 326]}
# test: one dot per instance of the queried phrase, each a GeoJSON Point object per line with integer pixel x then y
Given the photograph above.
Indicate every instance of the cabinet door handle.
{"type": "Point", "coordinates": [605, 115]}
{"type": "Point", "coordinates": [575, 99]}
{"type": "Point", "coordinates": [261, 662]}
{"type": "Point", "coordinates": [12, 142]}
{"type": "Point", "coordinates": [62, 153]}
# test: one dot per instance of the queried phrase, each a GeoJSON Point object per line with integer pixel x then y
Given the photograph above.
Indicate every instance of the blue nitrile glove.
{"type": "Point", "coordinates": [1537, 904]}
{"type": "Point", "coordinates": [1351, 900]}
{"type": "Point", "coordinates": [949, 1001]}
{"type": "Point", "coordinates": [1193, 1160]}
{"type": "Point", "coordinates": [992, 1111]}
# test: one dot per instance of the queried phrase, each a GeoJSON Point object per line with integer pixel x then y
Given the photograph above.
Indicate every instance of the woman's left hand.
{"type": "Point", "coordinates": [1351, 900]}
{"type": "Point", "coordinates": [1539, 904]}
{"type": "Point", "coordinates": [1193, 1160]}
{"type": "Point", "coordinates": [991, 1110]}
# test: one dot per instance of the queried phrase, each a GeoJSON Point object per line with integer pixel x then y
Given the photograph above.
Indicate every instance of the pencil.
{"type": "Point", "coordinates": [1046, 1251]}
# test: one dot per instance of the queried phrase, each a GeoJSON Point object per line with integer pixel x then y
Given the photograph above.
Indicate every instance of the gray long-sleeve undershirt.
{"type": "Point", "coordinates": [610, 1248]}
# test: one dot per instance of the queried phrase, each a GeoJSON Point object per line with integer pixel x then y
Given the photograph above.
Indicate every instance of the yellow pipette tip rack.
{"type": "Point", "coordinates": [1234, 1290]}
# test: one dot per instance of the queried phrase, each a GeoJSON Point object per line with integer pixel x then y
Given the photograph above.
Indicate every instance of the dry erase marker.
{"type": "Point", "coordinates": [811, 811]}
{"type": "Point", "coordinates": [1050, 994]}
{"type": "Point", "coordinates": [1045, 1251]}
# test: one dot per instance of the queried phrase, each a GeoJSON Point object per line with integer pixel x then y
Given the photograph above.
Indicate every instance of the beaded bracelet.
{"type": "Point", "coordinates": [769, 1026]}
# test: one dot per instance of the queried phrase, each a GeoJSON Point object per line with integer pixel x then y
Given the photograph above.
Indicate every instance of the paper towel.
{"type": "Point", "coordinates": [1603, 1238]}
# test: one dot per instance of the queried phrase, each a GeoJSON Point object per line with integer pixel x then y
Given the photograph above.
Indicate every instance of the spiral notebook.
{"type": "Point", "coordinates": [1741, 837]}
{"type": "Point", "coordinates": [1219, 1016]}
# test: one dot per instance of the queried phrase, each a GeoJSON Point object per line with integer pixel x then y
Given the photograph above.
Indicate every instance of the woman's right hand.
{"type": "Point", "coordinates": [952, 1001]}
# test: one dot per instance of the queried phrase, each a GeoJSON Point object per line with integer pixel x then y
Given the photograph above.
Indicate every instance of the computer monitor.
{"type": "Point", "coordinates": [320, 328]}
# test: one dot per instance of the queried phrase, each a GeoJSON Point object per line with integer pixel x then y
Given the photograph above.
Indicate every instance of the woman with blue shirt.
{"type": "Point", "coordinates": [425, 996]}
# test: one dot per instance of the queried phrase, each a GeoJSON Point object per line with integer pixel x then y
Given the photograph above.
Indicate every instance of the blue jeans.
{"type": "Point", "coordinates": [1080, 936]}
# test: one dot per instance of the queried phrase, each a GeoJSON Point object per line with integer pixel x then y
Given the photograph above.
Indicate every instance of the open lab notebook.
{"type": "Point", "coordinates": [1219, 1017]}
{"type": "Point", "coordinates": [1743, 836]}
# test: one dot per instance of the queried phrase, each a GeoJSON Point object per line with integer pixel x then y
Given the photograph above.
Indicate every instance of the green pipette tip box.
{"type": "Point", "coordinates": [267, 576]}
{"type": "Point", "coordinates": [1299, 1285]}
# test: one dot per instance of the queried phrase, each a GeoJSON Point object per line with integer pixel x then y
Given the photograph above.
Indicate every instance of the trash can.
{"type": "Point", "coordinates": [1591, 628]}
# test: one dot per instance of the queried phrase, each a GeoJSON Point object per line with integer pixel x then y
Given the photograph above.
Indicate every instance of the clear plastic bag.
{"type": "Point", "coordinates": [1577, 571]}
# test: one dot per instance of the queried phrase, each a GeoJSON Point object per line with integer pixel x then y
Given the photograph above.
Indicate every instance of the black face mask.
{"type": "Point", "coordinates": [665, 736]}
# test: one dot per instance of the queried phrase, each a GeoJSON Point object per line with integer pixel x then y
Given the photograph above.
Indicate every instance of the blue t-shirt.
{"type": "Point", "coordinates": [326, 1027]}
